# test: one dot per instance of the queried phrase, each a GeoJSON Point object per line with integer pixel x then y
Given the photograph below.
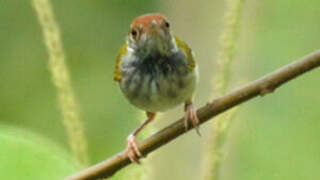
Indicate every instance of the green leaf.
{"type": "Point", "coordinates": [26, 155]}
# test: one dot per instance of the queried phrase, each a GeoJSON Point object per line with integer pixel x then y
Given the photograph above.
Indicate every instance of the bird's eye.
{"type": "Point", "coordinates": [134, 32]}
{"type": "Point", "coordinates": [167, 24]}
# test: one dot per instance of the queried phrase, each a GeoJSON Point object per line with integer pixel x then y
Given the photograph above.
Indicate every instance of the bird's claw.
{"type": "Point", "coordinates": [191, 114]}
{"type": "Point", "coordinates": [132, 150]}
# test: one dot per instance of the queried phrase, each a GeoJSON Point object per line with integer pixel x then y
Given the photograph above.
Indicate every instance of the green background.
{"type": "Point", "coordinates": [274, 137]}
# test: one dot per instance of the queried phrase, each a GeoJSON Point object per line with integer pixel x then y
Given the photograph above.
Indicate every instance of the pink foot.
{"type": "Point", "coordinates": [133, 151]}
{"type": "Point", "coordinates": [191, 114]}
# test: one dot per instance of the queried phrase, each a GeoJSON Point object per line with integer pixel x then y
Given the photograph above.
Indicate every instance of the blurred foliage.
{"type": "Point", "coordinates": [26, 155]}
{"type": "Point", "coordinates": [213, 150]}
{"type": "Point", "coordinates": [61, 79]}
{"type": "Point", "coordinates": [275, 137]}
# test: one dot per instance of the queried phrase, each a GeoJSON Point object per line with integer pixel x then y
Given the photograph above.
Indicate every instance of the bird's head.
{"type": "Point", "coordinates": [151, 33]}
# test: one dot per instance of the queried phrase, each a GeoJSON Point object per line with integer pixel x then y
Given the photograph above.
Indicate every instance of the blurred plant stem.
{"type": "Point", "coordinates": [61, 80]}
{"type": "Point", "coordinates": [212, 158]}
{"type": "Point", "coordinates": [143, 171]}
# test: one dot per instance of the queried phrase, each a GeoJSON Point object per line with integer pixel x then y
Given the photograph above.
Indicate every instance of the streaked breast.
{"type": "Point", "coordinates": [157, 83]}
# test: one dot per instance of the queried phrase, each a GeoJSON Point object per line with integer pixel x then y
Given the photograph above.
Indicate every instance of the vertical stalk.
{"type": "Point", "coordinates": [61, 80]}
{"type": "Point", "coordinates": [213, 155]}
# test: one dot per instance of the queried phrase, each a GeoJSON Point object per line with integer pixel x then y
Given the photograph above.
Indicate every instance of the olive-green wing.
{"type": "Point", "coordinates": [117, 76]}
{"type": "Point", "coordinates": [187, 50]}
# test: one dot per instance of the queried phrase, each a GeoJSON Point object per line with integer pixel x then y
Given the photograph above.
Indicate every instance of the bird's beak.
{"type": "Point", "coordinates": [155, 31]}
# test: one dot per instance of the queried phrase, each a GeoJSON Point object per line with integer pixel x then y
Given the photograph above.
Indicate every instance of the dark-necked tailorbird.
{"type": "Point", "coordinates": [156, 71]}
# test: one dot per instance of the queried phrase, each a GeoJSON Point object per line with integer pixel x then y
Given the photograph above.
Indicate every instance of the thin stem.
{"type": "Point", "coordinates": [212, 158]}
{"type": "Point", "coordinates": [61, 80]}
{"type": "Point", "coordinates": [263, 86]}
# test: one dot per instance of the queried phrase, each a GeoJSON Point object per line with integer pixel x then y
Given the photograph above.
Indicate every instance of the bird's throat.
{"type": "Point", "coordinates": [153, 47]}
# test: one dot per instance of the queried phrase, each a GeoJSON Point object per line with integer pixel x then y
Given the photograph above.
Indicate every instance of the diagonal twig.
{"type": "Point", "coordinates": [262, 86]}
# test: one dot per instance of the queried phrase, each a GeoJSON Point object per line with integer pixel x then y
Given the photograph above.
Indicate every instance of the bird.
{"type": "Point", "coordinates": [156, 71]}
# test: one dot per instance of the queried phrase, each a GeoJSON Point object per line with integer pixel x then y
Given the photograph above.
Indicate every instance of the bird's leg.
{"type": "Point", "coordinates": [133, 151]}
{"type": "Point", "coordinates": [191, 114]}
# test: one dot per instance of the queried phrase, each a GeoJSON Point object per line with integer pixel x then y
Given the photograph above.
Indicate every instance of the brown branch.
{"type": "Point", "coordinates": [265, 85]}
